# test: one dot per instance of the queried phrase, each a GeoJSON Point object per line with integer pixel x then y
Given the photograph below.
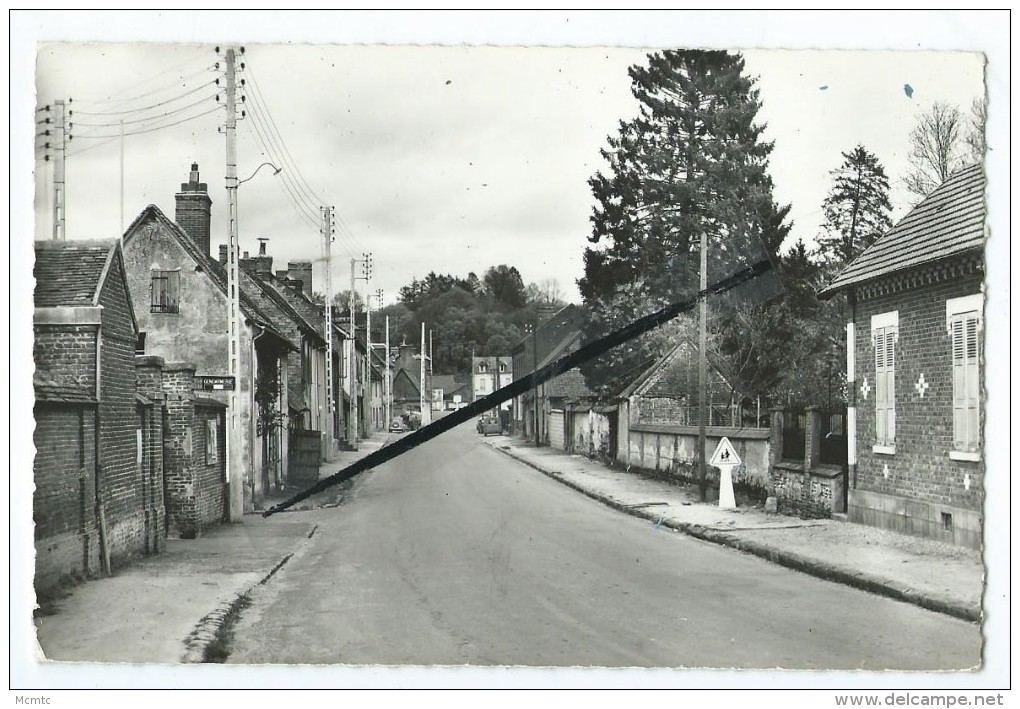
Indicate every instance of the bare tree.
{"type": "Point", "coordinates": [975, 137]}
{"type": "Point", "coordinates": [936, 145]}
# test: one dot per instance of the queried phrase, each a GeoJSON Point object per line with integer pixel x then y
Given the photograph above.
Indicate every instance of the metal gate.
{"type": "Point", "coordinates": [794, 423]}
{"type": "Point", "coordinates": [305, 457]}
{"type": "Point", "coordinates": [833, 449]}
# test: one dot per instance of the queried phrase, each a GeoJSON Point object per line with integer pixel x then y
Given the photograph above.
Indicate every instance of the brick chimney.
{"type": "Point", "coordinates": [261, 264]}
{"type": "Point", "coordinates": [224, 252]}
{"type": "Point", "coordinates": [194, 208]}
{"type": "Point", "coordinates": [301, 271]}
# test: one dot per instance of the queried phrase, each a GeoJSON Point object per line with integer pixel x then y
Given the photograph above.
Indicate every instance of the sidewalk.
{"type": "Point", "coordinates": [937, 576]}
{"type": "Point", "coordinates": [167, 608]}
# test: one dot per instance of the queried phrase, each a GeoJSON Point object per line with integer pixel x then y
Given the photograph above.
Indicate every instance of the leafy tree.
{"type": "Point", "coordinates": [342, 301]}
{"type": "Point", "coordinates": [504, 285]}
{"type": "Point", "coordinates": [856, 209]}
{"type": "Point", "coordinates": [936, 147]}
{"type": "Point", "coordinates": [693, 160]}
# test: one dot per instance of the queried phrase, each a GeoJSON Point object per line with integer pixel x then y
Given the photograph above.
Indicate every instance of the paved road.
{"type": "Point", "coordinates": [456, 554]}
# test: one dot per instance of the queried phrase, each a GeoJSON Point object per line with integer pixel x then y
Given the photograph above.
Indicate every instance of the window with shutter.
{"type": "Point", "coordinates": [165, 291]}
{"type": "Point", "coordinates": [885, 386]}
{"type": "Point", "coordinates": [884, 329]}
{"type": "Point", "coordinates": [964, 329]}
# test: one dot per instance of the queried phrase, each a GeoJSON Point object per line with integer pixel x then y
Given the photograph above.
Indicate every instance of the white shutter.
{"type": "Point", "coordinates": [885, 385]}
{"type": "Point", "coordinates": [966, 382]}
{"type": "Point", "coordinates": [880, 388]}
{"type": "Point", "coordinates": [890, 374]}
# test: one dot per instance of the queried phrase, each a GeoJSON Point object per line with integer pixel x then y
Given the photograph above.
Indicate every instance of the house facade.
{"type": "Point", "coordinates": [489, 374]}
{"type": "Point", "coordinates": [180, 294]}
{"type": "Point", "coordinates": [558, 335]}
{"type": "Point", "coordinates": [915, 368]}
{"type": "Point", "coordinates": [98, 495]}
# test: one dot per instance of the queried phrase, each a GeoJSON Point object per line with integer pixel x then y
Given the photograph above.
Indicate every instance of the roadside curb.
{"type": "Point", "coordinates": [791, 560]}
{"type": "Point", "coordinates": [206, 631]}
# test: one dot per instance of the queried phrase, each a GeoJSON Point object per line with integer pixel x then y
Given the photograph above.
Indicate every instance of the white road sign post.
{"type": "Point", "coordinates": [726, 459]}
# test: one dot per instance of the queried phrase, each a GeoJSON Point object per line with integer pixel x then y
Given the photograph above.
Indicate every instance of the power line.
{"type": "Point", "coordinates": [303, 209]}
{"type": "Point", "coordinates": [260, 98]}
{"type": "Point", "coordinates": [113, 100]}
{"type": "Point", "coordinates": [149, 107]}
{"type": "Point", "coordinates": [155, 128]}
{"type": "Point", "coordinates": [147, 119]}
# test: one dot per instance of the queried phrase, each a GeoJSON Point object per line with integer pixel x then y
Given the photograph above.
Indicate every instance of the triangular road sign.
{"type": "Point", "coordinates": [724, 454]}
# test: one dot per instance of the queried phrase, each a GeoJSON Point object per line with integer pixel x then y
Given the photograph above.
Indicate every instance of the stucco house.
{"type": "Point", "coordinates": [180, 295]}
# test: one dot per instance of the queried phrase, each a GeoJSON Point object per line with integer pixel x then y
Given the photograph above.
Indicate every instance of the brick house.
{"type": "Point", "coordinates": [914, 368]}
{"type": "Point", "coordinates": [181, 301]}
{"type": "Point", "coordinates": [559, 334]}
{"type": "Point", "coordinates": [97, 483]}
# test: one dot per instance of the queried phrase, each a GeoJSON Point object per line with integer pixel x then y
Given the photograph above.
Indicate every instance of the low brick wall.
{"type": "Point", "coordinates": [811, 494]}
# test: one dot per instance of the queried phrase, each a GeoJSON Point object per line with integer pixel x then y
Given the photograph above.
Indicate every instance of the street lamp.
{"type": "Point", "coordinates": [277, 171]}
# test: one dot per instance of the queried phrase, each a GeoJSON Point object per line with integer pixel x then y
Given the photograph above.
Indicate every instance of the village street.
{"type": "Point", "coordinates": [455, 554]}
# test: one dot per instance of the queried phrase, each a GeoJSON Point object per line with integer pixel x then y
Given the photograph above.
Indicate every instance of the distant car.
{"type": "Point", "coordinates": [489, 424]}
{"type": "Point", "coordinates": [397, 426]}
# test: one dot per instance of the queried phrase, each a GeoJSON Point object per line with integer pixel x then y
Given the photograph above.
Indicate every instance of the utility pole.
{"type": "Point", "coordinates": [702, 364]}
{"type": "Point", "coordinates": [421, 384]}
{"type": "Point", "coordinates": [388, 393]}
{"type": "Point", "coordinates": [327, 231]}
{"type": "Point", "coordinates": [352, 421]}
{"type": "Point", "coordinates": [59, 157]}
{"type": "Point", "coordinates": [235, 471]}
{"type": "Point", "coordinates": [366, 264]}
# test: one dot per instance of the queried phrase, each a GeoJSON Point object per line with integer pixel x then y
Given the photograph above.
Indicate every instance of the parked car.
{"type": "Point", "coordinates": [489, 424]}
{"type": "Point", "coordinates": [397, 425]}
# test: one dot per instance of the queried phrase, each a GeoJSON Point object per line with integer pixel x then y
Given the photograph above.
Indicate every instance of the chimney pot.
{"type": "Point", "coordinates": [194, 210]}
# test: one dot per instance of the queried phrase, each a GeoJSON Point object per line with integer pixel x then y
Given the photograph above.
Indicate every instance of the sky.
{"type": "Point", "coordinates": [446, 159]}
{"type": "Point", "coordinates": [489, 168]}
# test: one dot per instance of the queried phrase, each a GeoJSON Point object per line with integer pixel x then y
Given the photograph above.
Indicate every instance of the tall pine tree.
{"type": "Point", "coordinates": [693, 160]}
{"type": "Point", "coordinates": [856, 208]}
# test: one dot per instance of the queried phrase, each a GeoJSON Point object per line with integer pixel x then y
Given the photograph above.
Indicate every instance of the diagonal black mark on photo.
{"type": "Point", "coordinates": [743, 283]}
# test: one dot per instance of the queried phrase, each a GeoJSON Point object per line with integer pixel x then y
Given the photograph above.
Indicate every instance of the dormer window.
{"type": "Point", "coordinates": [482, 368]}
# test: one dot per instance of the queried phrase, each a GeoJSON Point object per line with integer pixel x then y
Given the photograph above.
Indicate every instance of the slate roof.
{"type": "Point", "coordinates": [948, 222]}
{"type": "Point", "coordinates": [71, 273]}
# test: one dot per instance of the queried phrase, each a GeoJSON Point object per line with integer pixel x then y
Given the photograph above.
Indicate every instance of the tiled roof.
{"type": "Point", "coordinates": [448, 383]}
{"type": "Point", "coordinates": [275, 290]}
{"type": "Point", "coordinates": [70, 273]}
{"type": "Point", "coordinates": [569, 385]}
{"type": "Point", "coordinates": [948, 222]}
{"type": "Point", "coordinates": [675, 375]}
